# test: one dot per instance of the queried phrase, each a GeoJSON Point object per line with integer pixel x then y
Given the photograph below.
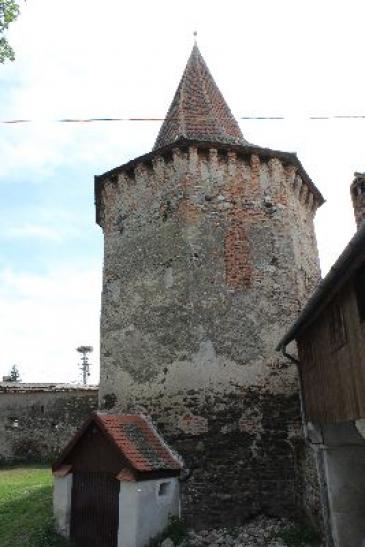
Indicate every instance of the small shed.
{"type": "Point", "coordinates": [116, 483]}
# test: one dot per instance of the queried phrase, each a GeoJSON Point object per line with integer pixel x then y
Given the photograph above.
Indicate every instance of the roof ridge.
{"type": "Point", "coordinates": [206, 95]}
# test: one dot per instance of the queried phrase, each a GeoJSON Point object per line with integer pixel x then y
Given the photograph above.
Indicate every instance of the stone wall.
{"type": "Point", "coordinates": [209, 256]}
{"type": "Point", "coordinates": [36, 423]}
{"type": "Point", "coordinates": [358, 197]}
{"type": "Point", "coordinates": [309, 460]}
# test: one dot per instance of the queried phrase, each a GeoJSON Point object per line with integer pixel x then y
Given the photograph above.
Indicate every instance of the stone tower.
{"type": "Point", "coordinates": [358, 197]}
{"type": "Point", "coordinates": [210, 252]}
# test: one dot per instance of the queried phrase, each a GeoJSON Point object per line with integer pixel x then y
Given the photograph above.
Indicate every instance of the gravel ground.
{"type": "Point", "coordinates": [259, 532]}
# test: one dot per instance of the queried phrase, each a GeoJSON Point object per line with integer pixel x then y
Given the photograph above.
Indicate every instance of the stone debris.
{"type": "Point", "coordinates": [262, 531]}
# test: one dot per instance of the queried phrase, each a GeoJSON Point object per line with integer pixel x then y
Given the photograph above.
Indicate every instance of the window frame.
{"type": "Point", "coordinates": [359, 289]}
{"type": "Point", "coordinates": [337, 326]}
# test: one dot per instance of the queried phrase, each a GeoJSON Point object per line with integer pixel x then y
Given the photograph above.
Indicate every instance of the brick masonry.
{"type": "Point", "coordinates": [209, 256]}
{"type": "Point", "coordinates": [35, 424]}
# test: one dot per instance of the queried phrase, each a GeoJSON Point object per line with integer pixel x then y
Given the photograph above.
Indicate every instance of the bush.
{"type": "Point", "coordinates": [175, 530]}
{"type": "Point", "coordinates": [300, 536]}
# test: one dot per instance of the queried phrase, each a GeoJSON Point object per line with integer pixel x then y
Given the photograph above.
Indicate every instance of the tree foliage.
{"type": "Point", "coordinates": [14, 374]}
{"type": "Point", "coordinates": [9, 11]}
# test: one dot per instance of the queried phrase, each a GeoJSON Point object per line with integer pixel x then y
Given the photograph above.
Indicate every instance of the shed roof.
{"type": "Point", "coordinates": [344, 268]}
{"type": "Point", "coordinates": [135, 438]}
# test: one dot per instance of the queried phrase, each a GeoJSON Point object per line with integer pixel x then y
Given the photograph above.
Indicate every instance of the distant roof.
{"type": "Point", "coordinates": [19, 387]}
{"type": "Point", "coordinates": [136, 439]}
{"type": "Point", "coordinates": [198, 110]}
{"type": "Point", "coordinates": [344, 268]}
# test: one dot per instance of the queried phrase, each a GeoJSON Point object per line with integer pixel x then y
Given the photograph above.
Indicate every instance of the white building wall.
{"type": "Point", "coordinates": [344, 464]}
{"type": "Point", "coordinates": [128, 508]}
{"type": "Point", "coordinates": [62, 487]}
{"type": "Point", "coordinates": [144, 510]}
{"type": "Point", "coordinates": [345, 467]}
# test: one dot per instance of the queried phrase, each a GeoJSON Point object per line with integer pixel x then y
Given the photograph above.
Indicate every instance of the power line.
{"type": "Point", "coordinates": [92, 120]}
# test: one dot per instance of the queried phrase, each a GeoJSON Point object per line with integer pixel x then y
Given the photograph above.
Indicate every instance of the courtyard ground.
{"type": "Point", "coordinates": [26, 519]}
{"type": "Point", "coordinates": [26, 508]}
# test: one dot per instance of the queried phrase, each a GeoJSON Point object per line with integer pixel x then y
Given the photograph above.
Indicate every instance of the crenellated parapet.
{"type": "Point", "coordinates": [256, 172]}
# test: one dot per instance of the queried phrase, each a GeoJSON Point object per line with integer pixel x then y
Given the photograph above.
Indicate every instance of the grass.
{"type": "Point", "coordinates": [26, 508]}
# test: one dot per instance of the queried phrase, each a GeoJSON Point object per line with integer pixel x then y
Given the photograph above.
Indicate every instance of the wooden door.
{"type": "Point", "coordinates": [94, 509]}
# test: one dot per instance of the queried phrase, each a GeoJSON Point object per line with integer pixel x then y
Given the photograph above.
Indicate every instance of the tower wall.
{"type": "Point", "coordinates": [358, 197]}
{"type": "Point", "coordinates": [208, 258]}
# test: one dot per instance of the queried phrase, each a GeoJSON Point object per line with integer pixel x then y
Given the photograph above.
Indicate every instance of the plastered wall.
{"type": "Point", "coordinates": [36, 425]}
{"type": "Point", "coordinates": [208, 258]}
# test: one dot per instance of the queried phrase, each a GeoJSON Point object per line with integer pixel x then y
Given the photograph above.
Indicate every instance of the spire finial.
{"type": "Point", "coordinates": [195, 37]}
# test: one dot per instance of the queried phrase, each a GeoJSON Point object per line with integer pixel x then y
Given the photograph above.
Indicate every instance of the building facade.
{"type": "Point", "coordinates": [36, 420]}
{"type": "Point", "coordinates": [330, 335]}
{"type": "Point", "coordinates": [209, 253]}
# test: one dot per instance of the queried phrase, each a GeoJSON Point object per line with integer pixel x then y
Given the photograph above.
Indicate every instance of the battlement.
{"type": "Point", "coordinates": [183, 156]}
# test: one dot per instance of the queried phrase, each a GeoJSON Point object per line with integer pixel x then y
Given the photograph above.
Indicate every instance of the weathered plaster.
{"type": "Point", "coordinates": [143, 512]}
{"type": "Point", "coordinates": [62, 487]}
{"type": "Point", "coordinates": [36, 425]}
{"type": "Point", "coordinates": [208, 258]}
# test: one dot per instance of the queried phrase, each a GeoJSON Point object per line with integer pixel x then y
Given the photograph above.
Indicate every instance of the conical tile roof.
{"type": "Point", "coordinates": [198, 110]}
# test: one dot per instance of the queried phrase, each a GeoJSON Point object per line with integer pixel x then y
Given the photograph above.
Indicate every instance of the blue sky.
{"type": "Point", "coordinates": [86, 59]}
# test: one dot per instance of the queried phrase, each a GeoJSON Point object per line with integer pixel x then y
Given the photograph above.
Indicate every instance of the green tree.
{"type": "Point", "coordinates": [9, 11]}
{"type": "Point", "coordinates": [14, 374]}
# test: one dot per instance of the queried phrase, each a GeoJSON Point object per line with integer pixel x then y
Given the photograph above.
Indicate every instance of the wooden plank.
{"type": "Point", "coordinates": [334, 386]}
{"type": "Point", "coordinates": [94, 509]}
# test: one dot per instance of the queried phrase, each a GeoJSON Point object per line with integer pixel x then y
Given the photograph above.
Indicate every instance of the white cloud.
{"type": "Point", "coordinates": [35, 231]}
{"type": "Point", "coordinates": [85, 58]}
{"type": "Point", "coordinates": [43, 318]}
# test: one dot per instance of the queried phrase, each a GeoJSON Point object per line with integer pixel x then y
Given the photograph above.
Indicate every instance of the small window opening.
{"type": "Point", "coordinates": [360, 292]}
{"type": "Point", "coordinates": [308, 354]}
{"type": "Point", "coordinates": [337, 327]}
{"type": "Point", "coordinates": [164, 488]}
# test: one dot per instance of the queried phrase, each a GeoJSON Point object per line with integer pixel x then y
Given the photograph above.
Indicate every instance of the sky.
{"type": "Point", "coordinates": [83, 58]}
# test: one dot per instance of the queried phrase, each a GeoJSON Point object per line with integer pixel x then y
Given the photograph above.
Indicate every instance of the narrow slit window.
{"type": "Point", "coordinates": [308, 354]}
{"type": "Point", "coordinates": [337, 327]}
{"type": "Point", "coordinates": [360, 292]}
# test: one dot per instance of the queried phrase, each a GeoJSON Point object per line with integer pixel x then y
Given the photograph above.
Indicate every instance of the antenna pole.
{"type": "Point", "coordinates": [85, 365]}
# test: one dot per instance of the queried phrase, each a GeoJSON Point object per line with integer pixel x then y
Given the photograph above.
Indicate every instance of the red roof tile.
{"type": "Point", "coordinates": [136, 439]}
{"type": "Point", "coordinates": [198, 110]}
{"type": "Point", "coordinates": [139, 442]}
